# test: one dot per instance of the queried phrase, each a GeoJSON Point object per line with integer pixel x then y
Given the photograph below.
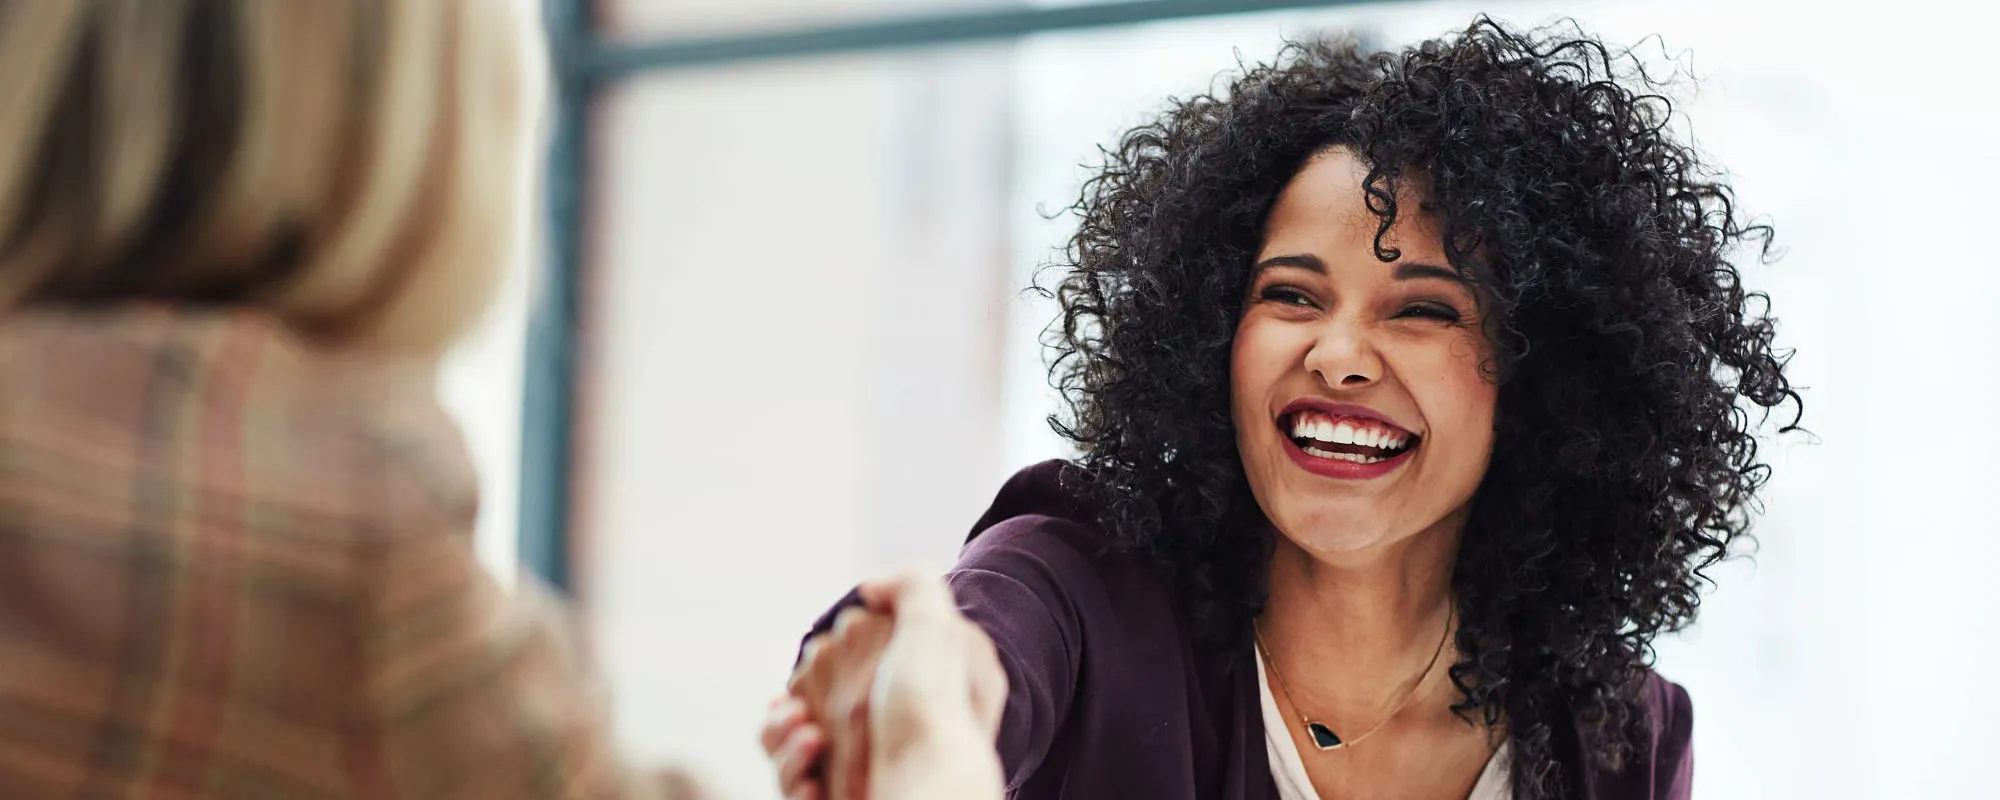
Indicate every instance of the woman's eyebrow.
{"type": "Point", "coordinates": [1416, 271]}
{"type": "Point", "coordinates": [1306, 261]}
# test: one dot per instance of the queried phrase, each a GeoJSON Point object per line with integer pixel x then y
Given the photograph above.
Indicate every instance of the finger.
{"type": "Point", "coordinates": [844, 622]}
{"type": "Point", "coordinates": [989, 687]}
{"type": "Point", "coordinates": [911, 592]}
{"type": "Point", "coordinates": [807, 653]}
{"type": "Point", "coordinates": [810, 791]}
{"type": "Point", "coordinates": [855, 763]}
{"type": "Point", "coordinates": [848, 727]}
{"type": "Point", "coordinates": [844, 721]}
{"type": "Point", "coordinates": [798, 756]}
{"type": "Point", "coordinates": [786, 714]}
{"type": "Point", "coordinates": [879, 594]}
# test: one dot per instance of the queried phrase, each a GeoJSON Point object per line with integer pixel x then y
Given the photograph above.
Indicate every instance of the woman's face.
{"type": "Point", "coordinates": [1363, 414]}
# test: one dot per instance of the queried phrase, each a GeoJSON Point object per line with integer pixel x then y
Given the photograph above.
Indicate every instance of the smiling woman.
{"type": "Point", "coordinates": [1357, 347]}
{"type": "Point", "coordinates": [1409, 391]}
{"type": "Point", "coordinates": [1333, 337]}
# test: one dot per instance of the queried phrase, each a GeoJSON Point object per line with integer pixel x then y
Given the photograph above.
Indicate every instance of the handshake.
{"type": "Point", "coordinates": [900, 699]}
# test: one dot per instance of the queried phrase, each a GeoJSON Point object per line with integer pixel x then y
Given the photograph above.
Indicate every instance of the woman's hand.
{"type": "Point", "coordinates": [796, 746]}
{"type": "Point", "coordinates": [899, 701]}
{"type": "Point", "coordinates": [937, 698]}
{"type": "Point", "coordinates": [818, 733]}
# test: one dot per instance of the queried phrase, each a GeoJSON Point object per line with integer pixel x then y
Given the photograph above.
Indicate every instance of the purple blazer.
{"type": "Point", "coordinates": [1110, 696]}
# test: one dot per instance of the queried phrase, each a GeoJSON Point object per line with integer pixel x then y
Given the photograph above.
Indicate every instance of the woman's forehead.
{"type": "Point", "coordinates": [1324, 209]}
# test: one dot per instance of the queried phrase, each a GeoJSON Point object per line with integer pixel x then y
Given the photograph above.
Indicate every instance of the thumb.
{"type": "Point", "coordinates": [917, 592]}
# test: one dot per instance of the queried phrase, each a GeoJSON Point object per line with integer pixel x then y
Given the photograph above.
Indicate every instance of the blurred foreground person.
{"type": "Point", "coordinates": [236, 553]}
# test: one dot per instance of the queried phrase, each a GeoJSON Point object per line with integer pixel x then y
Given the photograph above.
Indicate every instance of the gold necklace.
{"type": "Point", "coordinates": [1323, 736]}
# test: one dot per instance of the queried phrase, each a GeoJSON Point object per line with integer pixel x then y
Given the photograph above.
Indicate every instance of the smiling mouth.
{"type": "Point", "coordinates": [1352, 439]}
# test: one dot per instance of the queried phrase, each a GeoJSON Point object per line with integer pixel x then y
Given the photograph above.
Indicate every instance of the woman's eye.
{"type": "Point", "coordinates": [1286, 295]}
{"type": "Point", "coordinates": [1434, 311]}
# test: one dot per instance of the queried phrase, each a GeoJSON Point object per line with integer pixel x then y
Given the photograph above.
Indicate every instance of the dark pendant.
{"type": "Point", "coordinates": [1323, 736]}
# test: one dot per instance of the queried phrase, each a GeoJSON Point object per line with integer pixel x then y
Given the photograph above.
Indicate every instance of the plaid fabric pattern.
{"type": "Point", "coordinates": [234, 567]}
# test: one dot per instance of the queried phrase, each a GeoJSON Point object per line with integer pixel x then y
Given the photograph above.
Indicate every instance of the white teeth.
{"type": "Point", "coordinates": [1354, 457]}
{"type": "Point", "coordinates": [1328, 431]}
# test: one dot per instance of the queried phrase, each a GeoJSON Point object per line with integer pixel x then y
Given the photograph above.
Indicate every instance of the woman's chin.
{"type": "Point", "coordinates": [1337, 534]}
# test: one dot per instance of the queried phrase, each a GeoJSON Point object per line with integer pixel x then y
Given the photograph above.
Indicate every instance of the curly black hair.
{"type": "Point", "coordinates": [1628, 353]}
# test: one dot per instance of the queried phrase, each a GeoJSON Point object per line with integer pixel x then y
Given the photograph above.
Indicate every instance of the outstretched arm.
{"type": "Point", "coordinates": [1015, 585]}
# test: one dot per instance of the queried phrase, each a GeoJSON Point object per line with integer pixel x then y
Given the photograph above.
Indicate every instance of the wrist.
{"type": "Point", "coordinates": [945, 760]}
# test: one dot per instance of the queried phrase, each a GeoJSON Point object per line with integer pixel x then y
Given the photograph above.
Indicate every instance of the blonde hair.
{"type": "Point", "coordinates": [352, 166]}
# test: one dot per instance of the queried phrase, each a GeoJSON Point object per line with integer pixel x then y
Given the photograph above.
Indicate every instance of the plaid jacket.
{"type": "Point", "coordinates": [231, 566]}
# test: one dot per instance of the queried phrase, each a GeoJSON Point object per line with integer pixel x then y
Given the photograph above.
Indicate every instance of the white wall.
{"type": "Point", "coordinates": [794, 369]}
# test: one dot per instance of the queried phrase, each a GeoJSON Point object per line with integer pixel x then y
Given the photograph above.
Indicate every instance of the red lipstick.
{"type": "Point", "coordinates": [1344, 463]}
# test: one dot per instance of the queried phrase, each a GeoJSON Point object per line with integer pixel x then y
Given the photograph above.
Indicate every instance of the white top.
{"type": "Point", "coordinates": [1290, 770]}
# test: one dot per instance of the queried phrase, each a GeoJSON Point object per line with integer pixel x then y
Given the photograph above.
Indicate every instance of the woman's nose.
{"type": "Point", "coordinates": [1344, 357]}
